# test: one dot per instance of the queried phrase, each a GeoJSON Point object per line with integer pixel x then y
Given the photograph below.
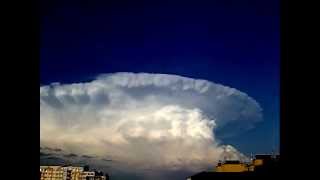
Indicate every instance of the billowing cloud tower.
{"type": "Point", "coordinates": [142, 120]}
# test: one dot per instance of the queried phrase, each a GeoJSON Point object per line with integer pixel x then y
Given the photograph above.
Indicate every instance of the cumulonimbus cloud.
{"type": "Point", "coordinates": [145, 120]}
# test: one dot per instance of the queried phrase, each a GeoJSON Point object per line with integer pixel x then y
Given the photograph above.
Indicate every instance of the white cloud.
{"type": "Point", "coordinates": [145, 120]}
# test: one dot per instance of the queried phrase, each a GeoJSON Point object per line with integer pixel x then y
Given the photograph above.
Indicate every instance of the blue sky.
{"type": "Point", "coordinates": [234, 43]}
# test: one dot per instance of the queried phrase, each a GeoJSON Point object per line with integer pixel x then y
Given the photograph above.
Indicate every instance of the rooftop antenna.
{"type": "Point", "coordinates": [274, 127]}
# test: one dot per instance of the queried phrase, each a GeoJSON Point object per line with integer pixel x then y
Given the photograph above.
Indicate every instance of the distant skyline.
{"type": "Point", "coordinates": [230, 42]}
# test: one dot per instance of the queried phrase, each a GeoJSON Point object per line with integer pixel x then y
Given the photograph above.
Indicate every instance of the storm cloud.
{"type": "Point", "coordinates": [143, 120]}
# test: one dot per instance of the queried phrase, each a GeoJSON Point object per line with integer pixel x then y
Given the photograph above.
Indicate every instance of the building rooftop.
{"type": "Point", "coordinates": [232, 162]}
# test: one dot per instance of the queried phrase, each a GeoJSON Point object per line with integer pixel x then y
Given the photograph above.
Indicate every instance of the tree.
{"type": "Point", "coordinates": [86, 168]}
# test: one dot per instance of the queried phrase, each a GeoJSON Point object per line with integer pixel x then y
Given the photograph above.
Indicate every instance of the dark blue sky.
{"type": "Point", "coordinates": [231, 42]}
